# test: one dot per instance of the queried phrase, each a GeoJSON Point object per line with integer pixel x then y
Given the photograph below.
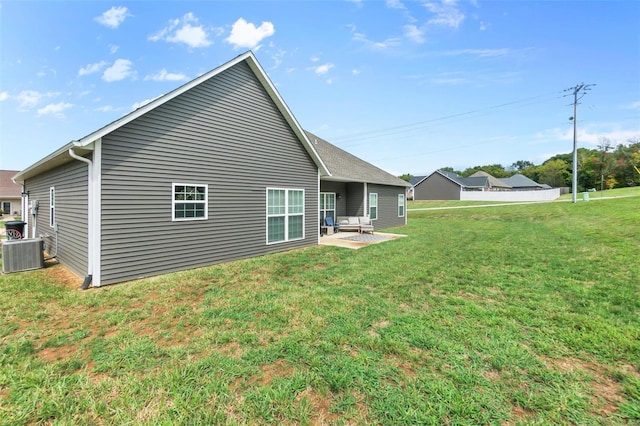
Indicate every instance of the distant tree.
{"type": "Point", "coordinates": [520, 165]}
{"type": "Point", "coordinates": [406, 177]}
{"type": "Point", "coordinates": [554, 173]}
{"type": "Point", "coordinates": [495, 170]}
{"type": "Point", "coordinates": [451, 169]}
{"type": "Point", "coordinates": [607, 161]}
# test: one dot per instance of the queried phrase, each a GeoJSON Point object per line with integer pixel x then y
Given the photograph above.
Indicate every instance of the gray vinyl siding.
{"type": "Point", "coordinates": [337, 188]}
{"type": "Point", "coordinates": [387, 205]}
{"type": "Point", "coordinates": [436, 187]}
{"type": "Point", "coordinates": [226, 133]}
{"type": "Point", "coordinates": [70, 182]}
{"type": "Point", "coordinates": [355, 199]}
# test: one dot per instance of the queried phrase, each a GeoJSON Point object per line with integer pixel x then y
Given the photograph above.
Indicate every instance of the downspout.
{"type": "Point", "coordinates": [87, 280]}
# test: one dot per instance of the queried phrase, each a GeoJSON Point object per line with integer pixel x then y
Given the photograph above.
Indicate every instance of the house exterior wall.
{"type": "Point", "coordinates": [226, 133]}
{"type": "Point", "coordinates": [387, 205]}
{"type": "Point", "coordinates": [436, 187]}
{"type": "Point", "coordinates": [70, 183]}
{"type": "Point", "coordinates": [15, 207]}
{"type": "Point", "coordinates": [337, 188]}
{"type": "Point", "coordinates": [355, 199]}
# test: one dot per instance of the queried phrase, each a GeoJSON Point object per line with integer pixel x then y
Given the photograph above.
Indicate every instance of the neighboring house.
{"type": "Point", "coordinates": [491, 183]}
{"type": "Point", "coordinates": [10, 194]}
{"type": "Point", "coordinates": [413, 181]}
{"type": "Point", "coordinates": [216, 170]}
{"type": "Point", "coordinates": [481, 186]}
{"type": "Point", "coordinates": [522, 183]}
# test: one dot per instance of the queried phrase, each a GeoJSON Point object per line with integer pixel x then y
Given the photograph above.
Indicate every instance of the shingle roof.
{"type": "Point", "coordinates": [346, 167]}
{"type": "Point", "coordinates": [413, 180]}
{"type": "Point", "coordinates": [467, 182]}
{"type": "Point", "coordinates": [492, 181]}
{"type": "Point", "coordinates": [521, 181]}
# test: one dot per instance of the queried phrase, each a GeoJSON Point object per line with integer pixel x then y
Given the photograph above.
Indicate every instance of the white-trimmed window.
{"type": "Point", "coordinates": [285, 215]}
{"type": "Point", "coordinates": [52, 206]}
{"type": "Point", "coordinates": [400, 205]}
{"type": "Point", "coordinates": [327, 205]}
{"type": "Point", "coordinates": [190, 201]}
{"type": "Point", "coordinates": [373, 206]}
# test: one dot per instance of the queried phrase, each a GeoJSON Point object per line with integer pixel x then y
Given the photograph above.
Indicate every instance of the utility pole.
{"type": "Point", "coordinates": [579, 89]}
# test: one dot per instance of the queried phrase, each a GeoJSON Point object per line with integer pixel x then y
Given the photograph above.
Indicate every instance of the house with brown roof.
{"type": "Point", "coordinates": [10, 194]}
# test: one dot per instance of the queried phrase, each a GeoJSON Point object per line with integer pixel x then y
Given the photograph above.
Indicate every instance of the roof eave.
{"type": "Point", "coordinates": [55, 159]}
{"type": "Point", "coordinates": [352, 180]}
{"type": "Point", "coordinates": [61, 155]}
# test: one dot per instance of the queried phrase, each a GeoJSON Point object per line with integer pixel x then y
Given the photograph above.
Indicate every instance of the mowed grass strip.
{"type": "Point", "coordinates": [506, 315]}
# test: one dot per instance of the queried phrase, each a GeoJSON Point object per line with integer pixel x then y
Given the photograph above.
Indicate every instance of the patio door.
{"type": "Point", "coordinates": [327, 206]}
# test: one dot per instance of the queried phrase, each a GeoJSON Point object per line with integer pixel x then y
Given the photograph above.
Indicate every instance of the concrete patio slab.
{"type": "Point", "coordinates": [354, 240]}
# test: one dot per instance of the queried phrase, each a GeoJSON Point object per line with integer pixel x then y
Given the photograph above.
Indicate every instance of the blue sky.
{"type": "Point", "coordinates": [410, 86]}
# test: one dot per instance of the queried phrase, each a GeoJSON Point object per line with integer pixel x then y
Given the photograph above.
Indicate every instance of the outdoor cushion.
{"type": "Point", "coordinates": [353, 220]}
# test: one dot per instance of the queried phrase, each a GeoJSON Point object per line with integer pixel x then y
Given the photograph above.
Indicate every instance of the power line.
{"type": "Point", "coordinates": [405, 128]}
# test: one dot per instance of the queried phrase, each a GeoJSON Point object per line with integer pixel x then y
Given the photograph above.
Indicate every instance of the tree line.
{"type": "Point", "coordinates": [605, 167]}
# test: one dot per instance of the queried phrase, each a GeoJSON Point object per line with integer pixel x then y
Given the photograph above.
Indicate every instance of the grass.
{"type": "Point", "coordinates": [523, 314]}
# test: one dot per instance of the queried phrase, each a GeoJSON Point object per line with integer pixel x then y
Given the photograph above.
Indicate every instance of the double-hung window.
{"type": "Point", "coordinates": [400, 205]}
{"type": "Point", "coordinates": [373, 206]}
{"type": "Point", "coordinates": [285, 215]}
{"type": "Point", "coordinates": [190, 201]}
{"type": "Point", "coordinates": [52, 207]}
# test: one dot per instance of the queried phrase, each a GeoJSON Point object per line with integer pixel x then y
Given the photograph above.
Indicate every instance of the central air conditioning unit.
{"type": "Point", "coordinates": [22, 255]}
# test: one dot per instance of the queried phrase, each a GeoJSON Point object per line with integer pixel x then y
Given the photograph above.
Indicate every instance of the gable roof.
{"type": "Point", "coordinates": [414, 180]}
{"type": "Point", "coordinates": [84, 145]}
{"type": "Point", "coordinates": [466, 182]}
{"type": "Point", "coordinates": [8, 189]}
{"type": "Point", "coordinates": [346, 167]}
{"type": "Point", "coordinates": [521, 181]}
{"type": "Point", "coordinates": [492, 182]}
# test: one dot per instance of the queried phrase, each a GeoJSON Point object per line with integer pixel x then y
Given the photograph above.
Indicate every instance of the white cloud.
{"type": "Point", "coordinates": [140, 104]}
{"type": "Point", "coordinates": [377, 45]}
{"type": "Point", "coordinates": [395, 4]}
{"type": "Point", "coordinates": [113, 48]}
{"type": "Point", "coordinates": [4, 96]}
{"type": "Point", "coordinates": [120, 70]}
{"type": "Point", "coordinates": [246, 35]}
{"type": "Point", "coordinates": [355, 71]}
{"type": "Point", "coordinates": [181, 31]}
{"type": "Point", "coordinates": [92, 68]}
{"type": "Point", "coordinates": [191, 36]}
{"type": "Point", "coordinates": [323, 69]}
{"type": "Point", "coordinates": [164, 75]}
{"type": "Point", "coordinates": [113, 17]}
{"type": "Point", "coordinates": [632, 105]}
{"type": "Point", "coordinates": [106, 108]}
{"type": "Point", "coordinates": [483, 25]}
{"type": "Point", "coordinates": [414, 33]}
{"type": "Point", "coordinates": [55, 109]}
{"type": "Point", "coordinates": [446, 13]}
{"type": "Point", "coordinates": [30, 98]}
{"type": "Point", "coordinates": [314, 59]}
{"type": "Point", "coordinates": [590, 136]}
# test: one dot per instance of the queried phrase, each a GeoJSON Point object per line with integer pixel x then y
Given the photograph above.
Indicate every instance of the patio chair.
{"type": "Point", "coordinates": [328, 221]}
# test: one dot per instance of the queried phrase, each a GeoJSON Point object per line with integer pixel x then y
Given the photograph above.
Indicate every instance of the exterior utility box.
{"type": "Point", "coordinates": [22, 255]}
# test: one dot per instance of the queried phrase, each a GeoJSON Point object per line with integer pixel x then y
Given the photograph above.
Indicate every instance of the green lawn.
{"type": "Point", "coordinates": [523, 314]}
